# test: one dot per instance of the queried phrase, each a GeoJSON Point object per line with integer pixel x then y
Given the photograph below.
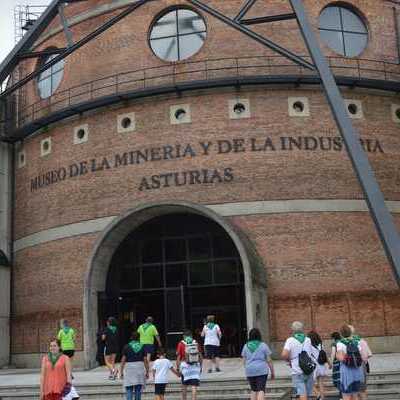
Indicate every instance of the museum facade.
{"type": "Point", "coordinates": [173, 166]}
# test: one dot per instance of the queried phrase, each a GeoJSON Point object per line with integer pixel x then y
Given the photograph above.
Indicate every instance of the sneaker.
{"type": "Point", "coordinates": [209, 371]}
{"type": "Point", "coordinates": [217, 370]}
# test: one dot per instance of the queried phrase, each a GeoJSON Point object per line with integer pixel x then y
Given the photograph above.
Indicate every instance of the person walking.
{"type": "Point", "coordinates": [134, 368]}
{"type": "Point", "coordinates": [335, 336]}
{"type": "Point", "coordinates": [160, 369]}
{"type": "Point", "coordinates": [186, 345]}
{"type": "Point", "coordinates": [295, 347]}
{"type": "Point", "coordinates": [351, 370]}
{"type": "Point", "coordinates": [258, 364]}
{"type": "Point", "coordinates": [322, 362]}
{"type": "Point", "coordinates": [110, 338]}
{"type": "Point", "coordinates": [366, 354]}
{"type": "Point", "coordinates": [148, 334]}
{"type": "Point", "coordinates": [212, 339]}
{"type": "Point", "coordinates": [66, 336]}
{"type": "Point", "coordinates": [190, 369]}
{"type": "Point", "coordinates": [55, 374]}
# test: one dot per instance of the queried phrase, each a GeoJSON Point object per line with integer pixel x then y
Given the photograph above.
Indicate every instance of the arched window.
{"type": "Point", "coordinates": [50, 79]}
{"type": "Point", "coordinates": [178, 34]}
{"type": "Point", "coordinates": [343, 31]}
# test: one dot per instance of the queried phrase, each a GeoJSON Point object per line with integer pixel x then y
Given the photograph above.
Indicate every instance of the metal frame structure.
{"type": "Point", "coordinates": [382, 218]}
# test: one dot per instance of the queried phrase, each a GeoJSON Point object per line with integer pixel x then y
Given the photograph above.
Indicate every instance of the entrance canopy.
{"type": "Point", "coordinates": [112, 237]}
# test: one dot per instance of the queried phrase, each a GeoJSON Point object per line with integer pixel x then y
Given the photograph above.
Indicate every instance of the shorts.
{"type": "Point", "coordinates": [211, 351]}
{"type": "Point", "coordinates": [257, 383]}
{"type": "Point", "coordinates": [108, 351]}
{"type": "Point", "coordinates": [303, 384]}
{"type": "Point", "coordinates": [354, 388]}
{"type": "Point", "coordinates": [159, 388]}
{"type": "Point", "coordinates": [69, 353]}
{"type": "Point", "coordinates": [148, 348]}
{"type": "Point", "coordinates": [191, 382]}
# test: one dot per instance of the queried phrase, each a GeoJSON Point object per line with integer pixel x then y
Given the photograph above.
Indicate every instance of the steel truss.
{"type": "Point", "coordinates": [374, 198]}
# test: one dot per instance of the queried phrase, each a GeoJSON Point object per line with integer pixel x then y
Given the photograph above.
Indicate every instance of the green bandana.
{"type": "Point", "coordinates": [210, 325]}
{"type": "Point", "coordinates": [53, 358]}
{"type": "Point", "coordinates": [112, 328]}
{"type": "Point", "coordinates": [253, 345]}
{"type": "Point", "coordinates": [66, 329]}
{"type": "Point", "coordinates": [347, 341]}
{"type": "Point", "coordinates": [146, 325]}
{"type": "Point", "coordinates": [188, 340]}
{"type": "Point", "coordinates": [301, 337]}
{"type": "Point", "coordinates": [135, 346]}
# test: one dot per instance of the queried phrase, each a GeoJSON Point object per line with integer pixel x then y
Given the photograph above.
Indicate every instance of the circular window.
{"type": "Point", "coordinates": [177, 35]}
{"type": "Point", "coordinates": [49, 80]}
{"type": "Point", "coordinates": [343, 31]}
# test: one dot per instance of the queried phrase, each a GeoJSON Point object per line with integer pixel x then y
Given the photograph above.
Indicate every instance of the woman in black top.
{"type": "Point", "coordinates": [110, 337]}
{"type": "Point", "coordinates": [134, 367]}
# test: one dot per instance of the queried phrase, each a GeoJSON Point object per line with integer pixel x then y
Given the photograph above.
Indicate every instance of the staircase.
{"type": "Point", "coordinates": [381, 386]}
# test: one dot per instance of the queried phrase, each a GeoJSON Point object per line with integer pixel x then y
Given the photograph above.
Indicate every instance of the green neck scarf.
{"type": "Point", "coordinates": [301, 337]}
{"type": "Point", "coordinates": [112, 328]}
{"type": "Point", "coordinates": [253, 345]}
{"type": "Point", "coordinates": [146, 325]}
{"type": "Point", "coordinates": [135, 346]}
{"type": "Point", "coordinates": [351, 339]}
{"type": "Point", "coordinates": [210, 325]}
{"type": "Point", "coordinates": [66, 329]}
{"type": "Point", "coordinates": [188, 340]}
{"type": "Point", "coordinates": [53, 358]}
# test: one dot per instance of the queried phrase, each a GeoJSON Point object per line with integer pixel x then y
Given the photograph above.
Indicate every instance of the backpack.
{"type": "Point", "coordinates": [306, 364]}
{"type": "Point", "coordinates": [192, 355]}
{"type": "Point", "coordinates": [322, 357]}
{"type": "Point", "coordinates": [353, 358]}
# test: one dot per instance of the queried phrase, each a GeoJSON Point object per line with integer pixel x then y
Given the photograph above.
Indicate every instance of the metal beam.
{"type": "Point", "coordinates": [269, 18]}
{"type": "Point", "coordinates": [373, 195]}
{"type": "Point", "coordinates": [64, 22]}
{"type": "Point", "coordinates": [244, 10]}
{"type": "Point", "coordinates": [47, 52]}
{"type": "Point", "coordinates": [258, 38]}
{"type": "Point", "coordinates": [11, 61]}
{"type": "Point", "coordinates": [74, 47]}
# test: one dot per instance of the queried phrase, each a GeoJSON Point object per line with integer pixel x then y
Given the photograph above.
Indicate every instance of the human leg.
{"type": "Point", "coordinates": [184, 392]}
{"type": "Point", "coordinates": [299, 386]}
{"type": "Point", "coordinates": [253, 395]}
{"type": "Point", "coordinates": [129, 392]}
{"type": "Point", "coordinates": [138, 392]}
{"type": "Point", "coordinates": [321, 387]}
{"type": "Point", "coordinates": [194, 392]}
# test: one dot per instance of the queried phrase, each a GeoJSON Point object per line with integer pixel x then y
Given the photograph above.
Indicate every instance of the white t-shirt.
{"type": "Point", "coordinates": [190, 371]}
{"type": "Point", "coordinates": [161, 366]}
{"type": "Point", "coordinates": [211, 336]}
{"type": "Point", "coordinates": [294, 347]}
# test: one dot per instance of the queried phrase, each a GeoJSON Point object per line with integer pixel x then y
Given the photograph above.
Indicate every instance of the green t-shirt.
{"type": "Point", "coordinates": [147, 333]}
{"type": "Point", "coordinates": [67, 339]}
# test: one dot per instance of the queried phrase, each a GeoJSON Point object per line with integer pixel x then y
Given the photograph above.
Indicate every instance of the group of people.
{"type": "Point", "coordinates": [309, 362]}
{"type": "Point", "coordinates": [305, 355]}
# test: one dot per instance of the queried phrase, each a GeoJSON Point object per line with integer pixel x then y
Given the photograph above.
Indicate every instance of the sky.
{"type": "Point", "coordinates": [7, 22]}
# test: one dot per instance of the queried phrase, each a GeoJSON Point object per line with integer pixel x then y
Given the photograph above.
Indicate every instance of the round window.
{"type": "Point", "coordinates": [49, 80]}
{"type": "Point", "coordinates": [177, 35]}
{"type": "Point", "coordinates": [343, 31]}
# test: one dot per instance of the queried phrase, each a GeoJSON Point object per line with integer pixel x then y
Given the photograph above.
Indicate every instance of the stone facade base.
{"type": "Point", "coordinates": [33, 360]}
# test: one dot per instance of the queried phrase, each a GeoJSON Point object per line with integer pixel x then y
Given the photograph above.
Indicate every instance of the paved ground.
{"type": "Point", "coordinates": [231, 368]}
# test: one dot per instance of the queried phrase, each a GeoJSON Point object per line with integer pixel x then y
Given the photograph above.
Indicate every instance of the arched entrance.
{"type": "Point", "coordinates": [177, 261]}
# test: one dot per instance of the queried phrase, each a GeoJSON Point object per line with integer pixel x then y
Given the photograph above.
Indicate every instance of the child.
{"type": "Point", "coordinates": [187, 355]}
{"type": "Point", "coordinates": [160, 374]}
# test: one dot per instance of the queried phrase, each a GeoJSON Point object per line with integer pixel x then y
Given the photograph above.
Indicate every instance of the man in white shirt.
{"type": "Point", "coordinates": [212, 338]}
{"type": "Point", "coordinates": [294, 345]}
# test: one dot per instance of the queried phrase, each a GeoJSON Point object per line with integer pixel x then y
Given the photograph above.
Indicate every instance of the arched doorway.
{"type": "Point", "coordinates": [161, 235]}
{"type": "Point", "coordinates": [177, 268]}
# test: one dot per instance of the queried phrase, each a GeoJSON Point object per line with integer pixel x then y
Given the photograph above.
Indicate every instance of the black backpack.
{"type": "Point", "coordinates": [322, 357]}
{"type": "Point", "coordinates": [306, 364]}
{"type": "Point", "coordinates": [353, 358]}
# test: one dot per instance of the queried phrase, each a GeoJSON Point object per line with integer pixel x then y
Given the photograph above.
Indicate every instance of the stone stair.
{"type": "Point", "coordinates": [381, 386]}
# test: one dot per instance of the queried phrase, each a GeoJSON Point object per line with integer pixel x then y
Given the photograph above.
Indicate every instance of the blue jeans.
{"type": "Point", "coordinates": [137, 389]}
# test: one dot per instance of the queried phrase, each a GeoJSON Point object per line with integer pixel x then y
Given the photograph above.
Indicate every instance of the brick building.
{"type": "Point", "coordinates": [173, 166]}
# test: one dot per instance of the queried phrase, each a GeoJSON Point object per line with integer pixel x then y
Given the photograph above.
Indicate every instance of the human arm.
{"type": "Point", "coordinates": [203, 332]}
{"type": "Point", "coordinates": [174, 371]}
{"type": "Point", "coordinates": [271, 367]}
{"type": "Point", "coordinates": [146, 366]}
{"type": "Point", "coordinates": [219, 332]}
{"type": "Point", "coordinates": [158, 340]}
{"type": "Point", "coordinates": [153, 370]}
